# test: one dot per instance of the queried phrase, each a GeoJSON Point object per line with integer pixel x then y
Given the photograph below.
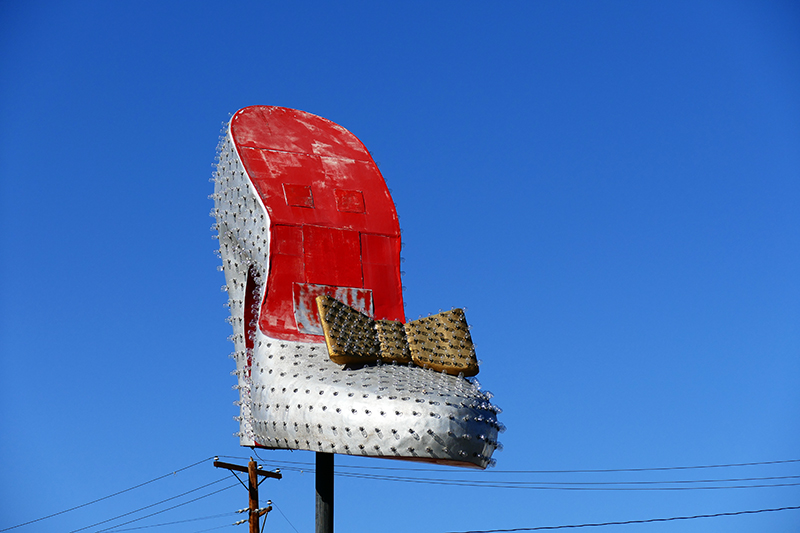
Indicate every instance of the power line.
{"type": "Point", "coordinates": [564, 485]}
{"type": "Point", "coordinates": [177, 522]}
{"type": "Point", "coordinates": [539, 486]}
{"type": "Point", "coordinates": [107, 497]}
{"type": "Point", "coordinates": [213, 528]}
{"type": "Point", "coordinates": [284, 516]}
{"type": "Point", "coordinates": [647, 521]}
{"type": "Point", "coordinates": [567, 483]}
{"type": "Point", "coordinates": [510, 484]}
{"type": "Point", "coordinates": [164, 510]}
{"type": "Point", "coordinates": [152, 505]}
{"type": "Point", "coordinates": [651, 469]}
{"type": "Point", "coordinates": [584, 471]}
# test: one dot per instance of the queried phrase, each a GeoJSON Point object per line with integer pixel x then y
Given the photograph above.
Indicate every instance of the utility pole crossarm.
{"type": "Point", "coordinates": [238, 468]}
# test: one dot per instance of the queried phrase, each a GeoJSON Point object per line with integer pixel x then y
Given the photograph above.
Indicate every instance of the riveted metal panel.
{"type": "Point", "coordinates": [292, 395]}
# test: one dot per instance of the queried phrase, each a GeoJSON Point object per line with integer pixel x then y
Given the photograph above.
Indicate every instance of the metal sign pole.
{"type": "Point", "coordinates": [324, 484]}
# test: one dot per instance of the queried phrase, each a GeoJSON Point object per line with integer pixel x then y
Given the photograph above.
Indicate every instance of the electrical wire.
{"type": "Point", "coordinates": [284, 516]}
{"type": "Point", "coordinates": [154, 504]}
{"type": "Point", "coordinates": [540, 482]}
{"type": "Point", "coordinates": [165, 510]}
{"type": "Point", "coordinates": [650, 469]}
{"type": "Point", "coordinates": [625, 522]}
{"type": "Point", "coordinates": [566, 485]}
{"type": "Point", "coordinates": [109, 496]}
{"type": "Point", "coordinates": [584, 471]}
{"type": "Point", "coordinates": [537, 486]}
{"type": "Point", "coordinates": [213, 528]}
{"type": "Point", "coordinates": [177, 522]}
{"type": "Point", "coordinates": [521, 483]}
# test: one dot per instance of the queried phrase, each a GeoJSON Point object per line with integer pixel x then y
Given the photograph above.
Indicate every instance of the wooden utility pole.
{"type": "Point", "coordinates": [252, 489]}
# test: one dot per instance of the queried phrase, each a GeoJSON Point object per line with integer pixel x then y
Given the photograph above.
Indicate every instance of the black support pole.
{"type": "Point", "coordinates": [324, 482]}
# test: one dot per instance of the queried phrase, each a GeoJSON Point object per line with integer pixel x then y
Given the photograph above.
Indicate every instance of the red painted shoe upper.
{"type": "Point", "coordinates": [333, 224]}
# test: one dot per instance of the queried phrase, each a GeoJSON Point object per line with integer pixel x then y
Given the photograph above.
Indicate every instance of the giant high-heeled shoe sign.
{"type": "Point", "coordinates": [310, 247]}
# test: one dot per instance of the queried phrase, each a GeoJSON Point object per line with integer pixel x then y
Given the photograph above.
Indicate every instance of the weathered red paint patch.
{"type": "Point", "coordinates": [332, 219]}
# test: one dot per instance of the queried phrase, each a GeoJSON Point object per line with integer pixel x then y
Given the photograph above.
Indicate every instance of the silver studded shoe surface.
{"type": "Point", "coordinates": [300, 399]}
{"type": "Point", "coordinates": [292, 396]}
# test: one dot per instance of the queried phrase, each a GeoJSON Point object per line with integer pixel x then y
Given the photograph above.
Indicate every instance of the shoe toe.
{"type": "Point", "coordinates": [300, 399]}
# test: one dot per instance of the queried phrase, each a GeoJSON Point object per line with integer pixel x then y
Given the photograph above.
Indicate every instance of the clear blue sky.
{"type": "Point", "coordinates": [612, 189]}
